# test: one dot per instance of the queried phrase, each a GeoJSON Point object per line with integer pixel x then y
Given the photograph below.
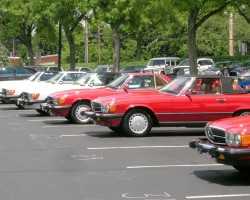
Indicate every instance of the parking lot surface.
{"type": "Point", "coordinates": [50, 158]}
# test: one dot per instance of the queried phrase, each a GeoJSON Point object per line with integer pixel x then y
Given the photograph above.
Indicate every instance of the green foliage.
{"type": "Point", "coordinates": [4, 60]}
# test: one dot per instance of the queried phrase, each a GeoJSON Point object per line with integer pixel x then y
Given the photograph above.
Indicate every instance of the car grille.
{"type": "Point", "coordinates": [49, 100]}
{"type": "Point", "coordinates": [4, 92]}
{"type": "Point", "coordinates": [216, 135]}
{"type": "Point", "coordinates": [25, 95]}
{"type": "Point", "coordinates": [96, 106]}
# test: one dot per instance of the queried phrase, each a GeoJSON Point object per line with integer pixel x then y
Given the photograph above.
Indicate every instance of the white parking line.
{"type": "Point", "coordinates": [47, 119]}
{"type": "Point", "coordinates": [136, 147]}
{"type": "Point", "coordinates": [168, 166]}
{"type": "Point", "coordinates": [77, 135]}
{"type": "Point", "coordinates": [217, 196]}
{"type": "Point", "coordinates": [66, 126]}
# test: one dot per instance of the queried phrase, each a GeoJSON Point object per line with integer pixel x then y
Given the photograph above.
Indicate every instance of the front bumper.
{"type": "Point", "coordinates": [35, 104]}
{"type": "Point", "coordinates": [11, 98]}
{"type": "Point", "coordinates": [223, 155]}
{"type": "Point", "coordinates": [55, 109]}
{"type": "Point", "coordinates": [111, 120]}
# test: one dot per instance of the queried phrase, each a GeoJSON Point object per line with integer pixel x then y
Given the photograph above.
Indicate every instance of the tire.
{"type": "Point", "coordinates": [243, 169]}
{"type": "Point", "coordinates": [243, 113]}
{"type": "Point", "coordinates": [137, 123]}
{"type": "Point", "coordinates": [77, 111]}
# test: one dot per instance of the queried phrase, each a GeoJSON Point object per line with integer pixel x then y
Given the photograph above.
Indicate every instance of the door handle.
{"type": "Point", "coordinates": [221, 100]}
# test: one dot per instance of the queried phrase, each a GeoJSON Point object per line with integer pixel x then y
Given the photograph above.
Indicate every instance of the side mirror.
{"type": "Point", "coordinates": [125, 88]}
{"type": "Point", "coordinates": [191, 91]}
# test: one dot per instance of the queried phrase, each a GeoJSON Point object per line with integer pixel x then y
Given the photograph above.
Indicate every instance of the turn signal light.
{"type": "Point", "coordinates": [61, 101]}
{"type": "Point", "coordinates": [245, 140]}
{"type": "Point", "coordinates": [36, 96]}
{"type": "Point", "coordinates": [12, 92]}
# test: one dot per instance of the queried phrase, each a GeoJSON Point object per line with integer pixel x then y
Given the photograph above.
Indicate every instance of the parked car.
{"type": "Point", "coordinates": [82, 69]}
{"type": "Point", "coordinates": [221, 68]}
{"type": "Point", "coordinates": [37, 92]}
{"type": "Point", "coordinates": [72, 104]}
{"type": "Point", "coordinates": [33, 97]}
{"type": "Point", "coordinates": [203, 63]}
{"type": "Point", "coordinates": [53, 69]}
{"type": "Point", "coordinates": [227, 141]}
{"type": "Point", "coordinates": [178, 71]}
{"type": "Point", "coordinates": [104, 68]}
{"type": "Point", "coordinates": [11, 90]}
{"type": "Point", "coordinates": [132, 69]}
{"type": "Point", "coordinates": [189, 101]}
{"type": "Point", "coordinates": [15, 73]}
{"type": "Point", "coordinates": [161, 65]}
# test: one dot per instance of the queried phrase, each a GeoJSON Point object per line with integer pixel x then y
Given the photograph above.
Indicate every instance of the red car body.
{"type": "Point", "coordinates": [227, 141]}
{"type": "Point", "coordinates": [72, 104]}
{"type": "Point", "coordinates": [189, 101]}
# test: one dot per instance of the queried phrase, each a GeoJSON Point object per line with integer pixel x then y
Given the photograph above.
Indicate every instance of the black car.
{"type": "Point", "coordinates": [221, 68]}
{"type": "Point", "coordinates": [132, 69]}
{"type": "Point", "coordinates": [15, 73]}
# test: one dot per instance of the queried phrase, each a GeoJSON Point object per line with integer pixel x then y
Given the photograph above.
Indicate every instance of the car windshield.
{"type": "Point", "coordinates": [55, 78]}
{"type": "Point", "coordinates": [117, 83]}
{"type": "Point", "coordinates": [156, 62]}
{"type": "Point", "coordinates": [184, 63]}
{"type": "Point", "coordinates": [34, 76]}
{"type": "Point", "coordinates": [83, 80]}
{"type": "Point", "coordinates": [176, 86]}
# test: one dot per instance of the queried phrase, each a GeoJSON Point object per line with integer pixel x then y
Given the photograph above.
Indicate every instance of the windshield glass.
{"type": "Point", "coordinates": [184, 63]}
{"type": "Point", "coordinates": [176, 86]}
{"type": "Point", "coordinates": [55, 78]}
{"type": "Point", "coordinates": [156, 62]}
{"type": "Point", "coordinates": [83, 80]}
{"type": "Point", "coordinates": [116, 84]}
{"type": "Point", "coordinates": [34, 76]}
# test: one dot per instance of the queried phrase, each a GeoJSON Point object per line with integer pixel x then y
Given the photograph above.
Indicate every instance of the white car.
{"type": "Point", "coordinates": [33, 97]}
{"type": "Point", "coordinates": [203, 63]}
{"type": "Point", "coordinates": [18, 85]}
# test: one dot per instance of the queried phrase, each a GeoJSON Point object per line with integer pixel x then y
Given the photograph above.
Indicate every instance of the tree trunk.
{"type": "Point", "coordinates": [31, 56]}
{"type": "Point", "coordinates": [116, 49]}
{"type": "Point", "coordinates": [138, 47]}
{"type": "Point", "coordinates": [71, 41]}
{"type": "Point", "coordinates": [192, 48]}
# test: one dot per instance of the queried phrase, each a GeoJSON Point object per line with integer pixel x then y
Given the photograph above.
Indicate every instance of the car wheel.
{"type": "Point", "coordinates": [243, 169]}
{"type": "Point", "coordinates": [77, 113]}
{"type": "Point", "coordinates": [137, 123]}
{"type": "Point", "coordinates": [243, 113]}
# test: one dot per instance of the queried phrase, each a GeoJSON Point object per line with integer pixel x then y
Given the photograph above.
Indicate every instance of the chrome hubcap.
{"type": "Point", "coordinates": [245, 113]}
{"type": "Point", "coordinates": [80, 110]}
{"type": "Point", "coordinates": [138, 123]}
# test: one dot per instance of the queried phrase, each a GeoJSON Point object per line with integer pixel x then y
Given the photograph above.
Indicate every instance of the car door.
{"type": "Point", "coordinates": [201, 104]}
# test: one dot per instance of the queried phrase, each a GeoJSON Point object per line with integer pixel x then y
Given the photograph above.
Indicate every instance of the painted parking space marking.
{"type": "Point", "coordinates": [136, 147]}
{"type": "Point", "coordinates": [169, 166]}
{"type": "Point", "coordinates": [217, 196]}
{"type": "Point", "coordinates": [46, 119]}
{"type": "Point", "coordinates": [76, 135]}
{"type": "Point", "coordinates": [66, 126]}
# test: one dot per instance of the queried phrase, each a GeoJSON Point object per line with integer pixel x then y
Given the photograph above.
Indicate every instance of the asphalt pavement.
{"type": "Point", "coordinates": [48, 158]}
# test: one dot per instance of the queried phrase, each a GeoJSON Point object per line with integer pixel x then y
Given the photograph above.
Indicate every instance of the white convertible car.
{"type": "Point", "coordinates": [33, 97]}
{"type": "Point", "coordinates": [17, 86]}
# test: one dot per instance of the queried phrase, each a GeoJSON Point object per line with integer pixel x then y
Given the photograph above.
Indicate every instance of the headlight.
{"type": "Point", "coordinates": [233, 139]}
{"type": "Point", "coordinates": [10, 92]}
{"type": "Point", "coordinates": [33, 96]}
{"type": "Point", "coordinates": [108, 108]}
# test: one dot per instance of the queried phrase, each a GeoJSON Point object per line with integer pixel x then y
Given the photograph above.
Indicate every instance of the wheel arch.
{"type": "Point", "coordinates": [237, 112]}
{"type": "Point", "coordinates": [80, 100]}
{"type": "Point", "coordinates": [151, 113]}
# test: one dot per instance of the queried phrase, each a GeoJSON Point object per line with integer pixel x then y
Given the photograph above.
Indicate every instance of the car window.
{"type": "Point", "coordinates": [160, 83]}
{"type": "Point", "coordinates": [7, 72]}
{"type": "Point", "coordinates": [140, 82]}
{"type": "Point", "coordinates": [24, 72]}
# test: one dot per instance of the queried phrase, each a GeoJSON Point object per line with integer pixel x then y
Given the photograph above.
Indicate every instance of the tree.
{"type": "Point", "coordinates": [17, 17]}
{"type": "Point", "coordinates": [4, 60]}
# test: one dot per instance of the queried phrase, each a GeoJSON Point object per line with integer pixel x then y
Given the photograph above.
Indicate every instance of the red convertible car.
{"type": "Point", "coordinates": [189, 101]}
{"type": "Point", "coordinates": [72, 104]}
{"type": "Point", "coordinates": [227, 141]}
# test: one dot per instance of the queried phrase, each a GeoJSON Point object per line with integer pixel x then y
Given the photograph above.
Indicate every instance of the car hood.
{"type": "Point", "coordinates": [233, 124]}
{"type": "Point", "coordinates": [135, 97]}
